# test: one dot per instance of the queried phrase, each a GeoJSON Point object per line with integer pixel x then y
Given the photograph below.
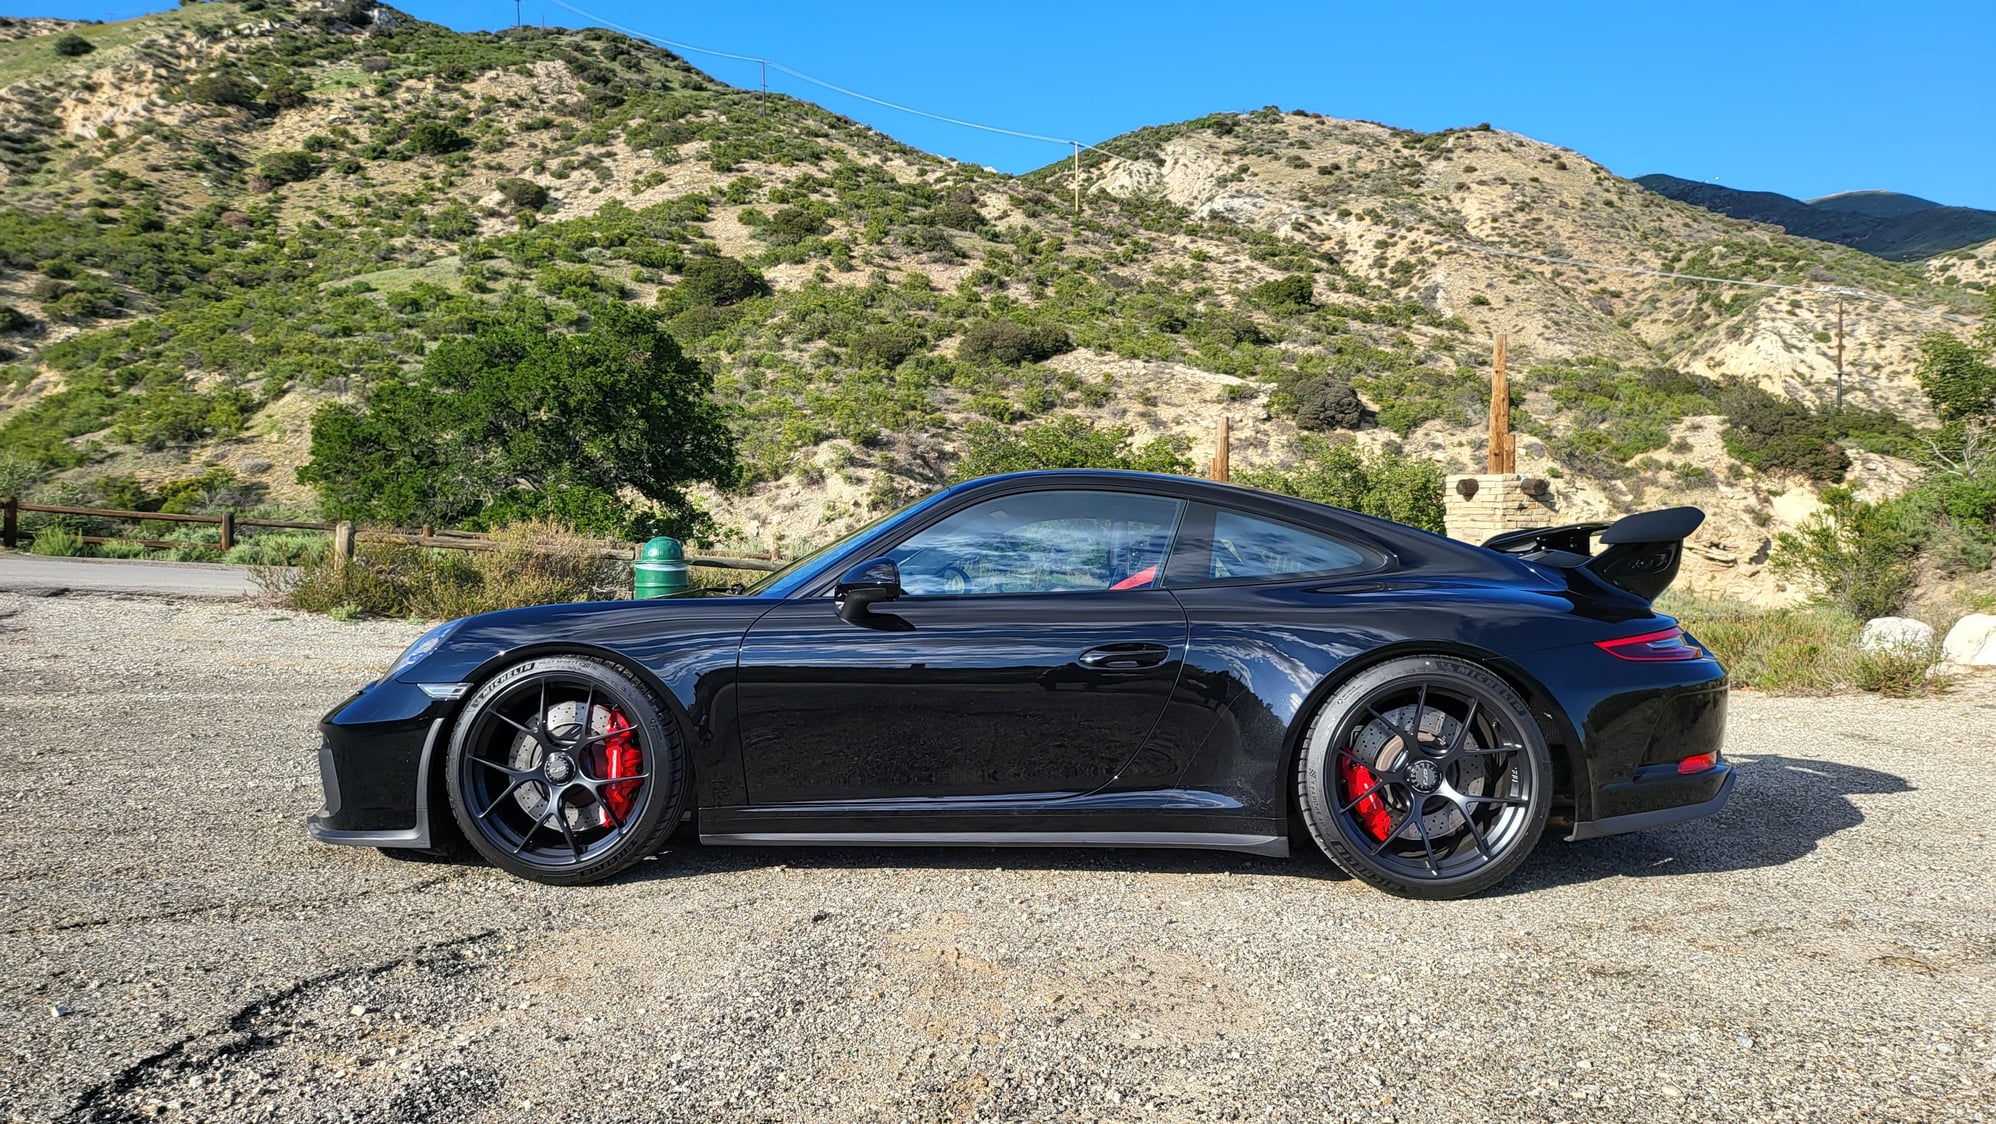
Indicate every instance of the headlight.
{"type": "Point", "coordinates": [424, 645]}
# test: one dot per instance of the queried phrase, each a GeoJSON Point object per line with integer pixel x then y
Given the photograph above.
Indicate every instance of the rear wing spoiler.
{"type": "Point", "coordinates": [1641, 552]}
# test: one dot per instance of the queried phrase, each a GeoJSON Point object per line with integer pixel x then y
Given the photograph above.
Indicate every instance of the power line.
{"type": "Point", "coordinates": [1546, 259]}
{"type": "Point", "coordinates": [801, 76]}
{"type": "Point", "coordinates": [1079, 146]}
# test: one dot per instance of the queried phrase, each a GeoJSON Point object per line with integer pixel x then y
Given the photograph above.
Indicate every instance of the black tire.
{"type": "Point", "coordinates": [527, 784]}
{"type": "Point", "coordinates": [1481, 777]}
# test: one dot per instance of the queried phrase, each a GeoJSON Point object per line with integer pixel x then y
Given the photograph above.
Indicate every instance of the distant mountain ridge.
{"type": "Point", "coordinates": [1886, 223]}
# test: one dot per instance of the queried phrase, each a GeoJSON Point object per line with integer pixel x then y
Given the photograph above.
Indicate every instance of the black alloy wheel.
{"type": "Point", "coordinates": [565, 770]}
{"type": "Point", "coordinates": [1425, 776]}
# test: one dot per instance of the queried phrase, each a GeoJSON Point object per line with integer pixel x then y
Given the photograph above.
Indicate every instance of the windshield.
{"type": "Point", "coordinates": [804, 570]}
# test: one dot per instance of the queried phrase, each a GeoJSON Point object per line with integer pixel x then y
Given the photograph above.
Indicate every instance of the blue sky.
{"type": "Point", "coordinates": [1804, 99]}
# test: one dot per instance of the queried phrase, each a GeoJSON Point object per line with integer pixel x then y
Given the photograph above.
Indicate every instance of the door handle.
{"type": "Point", "coordinates": [1125, 656]}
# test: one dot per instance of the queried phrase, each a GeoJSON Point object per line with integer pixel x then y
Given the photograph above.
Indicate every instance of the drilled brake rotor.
{"type": "Point", "coordinates": [1381, 743]}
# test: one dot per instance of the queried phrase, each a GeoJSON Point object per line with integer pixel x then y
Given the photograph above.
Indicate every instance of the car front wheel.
{"type": "Point", "coordinates": [565, 770]}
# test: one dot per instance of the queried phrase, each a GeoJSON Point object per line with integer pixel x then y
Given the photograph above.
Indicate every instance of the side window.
{"type": "Point", "coordinates": [1248, 546]}
{"type": "Point", "coordinates": [1042, 542]}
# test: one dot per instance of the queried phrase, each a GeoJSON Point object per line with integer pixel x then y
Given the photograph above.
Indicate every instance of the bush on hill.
{"type": "Point", "coordinates": [1011, 343]}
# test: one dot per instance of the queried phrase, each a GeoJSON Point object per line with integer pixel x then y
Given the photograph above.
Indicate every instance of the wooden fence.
{"type": "Point", "coordinates": [345, 535]}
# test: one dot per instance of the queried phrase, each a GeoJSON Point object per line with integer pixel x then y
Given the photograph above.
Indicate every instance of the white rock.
{"type": "Point", "coordinates": [1972, 641]}
{"type": "Point", "coordinates": [1896, 634]}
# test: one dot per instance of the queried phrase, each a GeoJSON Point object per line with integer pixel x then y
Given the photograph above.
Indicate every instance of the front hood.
{"type": "Point", "coordinates": [615, 626]}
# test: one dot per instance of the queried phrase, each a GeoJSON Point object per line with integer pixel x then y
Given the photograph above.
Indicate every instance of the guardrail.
{"type": "Point", "coordinates": [344, 535]}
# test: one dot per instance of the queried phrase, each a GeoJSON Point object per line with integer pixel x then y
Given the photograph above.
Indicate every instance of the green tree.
{"type": "Point", "coordinates": [71, 45]}
{"type": "Point", "coordinates": [1068, 441]}
{"type": "Point", "coordinates": [1387, 484]}
{"type": "Point", "coordinates": [1859, 556]}
{"type": "Point", "coordinates": [1958, 381]}
{"type": "Point", "coordinates": [516, 421]}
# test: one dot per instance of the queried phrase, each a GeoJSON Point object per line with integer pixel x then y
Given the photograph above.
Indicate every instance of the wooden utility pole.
{"type": "Point", "coordinates": [765, 86]}
{"type": "Point", "coordinates": [1840, 351]}
{"type": "Point", "coordinates": [1223, 452]}
{"type": "Point", "coordinates": [1077, 177]}
{"type": "Point", "coordinates": [1503, 455]}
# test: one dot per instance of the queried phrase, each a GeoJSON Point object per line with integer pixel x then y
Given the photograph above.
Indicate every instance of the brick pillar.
{"type": "Point", "coordinates": [1477, 507]}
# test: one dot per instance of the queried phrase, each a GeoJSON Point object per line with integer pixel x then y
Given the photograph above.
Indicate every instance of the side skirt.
{"type": "Point", "coordinates": [1273, 846]}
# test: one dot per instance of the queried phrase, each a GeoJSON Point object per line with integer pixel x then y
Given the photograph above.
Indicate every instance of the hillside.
{"type": "Point", "coordinates": [1886, 223]}
{"type": "Point", "coordinates": [225, 215]}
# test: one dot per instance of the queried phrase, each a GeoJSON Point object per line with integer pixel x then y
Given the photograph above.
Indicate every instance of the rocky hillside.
{"type": "Point", "coordinates": [1886, 223]}
{"type": "Point", "coordinates": [214, 219]}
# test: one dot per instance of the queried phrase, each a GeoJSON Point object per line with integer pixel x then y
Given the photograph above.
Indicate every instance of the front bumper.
{"type": "Point", "coordinates": [377, 753]}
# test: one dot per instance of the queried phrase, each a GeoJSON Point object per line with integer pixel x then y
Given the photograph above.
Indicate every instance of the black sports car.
{"type": "Point", "coordinates": [1068, 658]}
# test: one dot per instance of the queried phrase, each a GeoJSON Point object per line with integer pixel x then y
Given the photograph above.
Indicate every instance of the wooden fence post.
{"type": "Point", "coordinates": [228, 530]}
{"type": "Point", "coordinates": [1223, 452]}
{"type": "Point", "coordinates": [342, 543]}
{"type": "Point", "coordinates": [10, 520]}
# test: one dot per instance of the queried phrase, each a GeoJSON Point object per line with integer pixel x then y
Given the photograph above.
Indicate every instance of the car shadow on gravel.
{"type": "Point", "coordinates": [1781, 809]}
{"type": "Point", "coordinates": [687, 858]}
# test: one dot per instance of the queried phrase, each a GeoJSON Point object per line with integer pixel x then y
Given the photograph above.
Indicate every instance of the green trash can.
{"type": "Point", "coordinates": [660, 570]}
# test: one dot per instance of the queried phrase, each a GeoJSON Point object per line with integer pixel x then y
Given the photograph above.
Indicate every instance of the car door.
{"type": "Point", "coordinates": [1030, 656]}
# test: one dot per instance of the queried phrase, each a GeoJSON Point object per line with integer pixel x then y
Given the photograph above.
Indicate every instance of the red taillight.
{"type": "Point", "coordinates": [1697, 764]}
{"type": "Point", "coordinates": [1653, 646]}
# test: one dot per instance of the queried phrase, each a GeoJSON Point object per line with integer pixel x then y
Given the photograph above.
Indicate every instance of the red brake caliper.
{"type": "Point", "coordinates": [621, 759]}
{"type": "Point", "coordinates": [1371, 811]}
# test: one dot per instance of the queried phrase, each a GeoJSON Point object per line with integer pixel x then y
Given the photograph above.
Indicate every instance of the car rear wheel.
{"type": "Point", "coordinates": [565, 770]}
{"type": "Point", "coordinates": [1425, 776]}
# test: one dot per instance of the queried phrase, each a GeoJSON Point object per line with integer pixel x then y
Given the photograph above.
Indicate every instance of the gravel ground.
{"type": "Point", "coordinates": [177, 950]}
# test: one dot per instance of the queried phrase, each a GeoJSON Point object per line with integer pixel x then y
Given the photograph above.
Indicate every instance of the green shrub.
{"type": "Point", "coordinates": [1010, 343]}
{"type": "Point", "coordinates": [887, 346]}
{"type": "Point", "coordinates": [221, 89]}
{"type": "Point", "coordinates": [524, 195]}
{"type": "Point", "coordinates": [1387, 484]}
{"type": "Point", "coordinates": [1324, 403]}
{"type": "Point", "coordinates": [14, 320]}
{"type": "Point", "coordinates": [958, 214]}
{"type": "Point", "coordinates": [791, 225]}
{"type": "Point", "coordinates": [434, 138]}
{"type": "Point", "coordinates": [1284, 295]}
{"type": "Point", "coordinates": [59, 542]}
{"type": "Point", "coordinates": [1068, 441]}
{"type": "Point", "coordinates": [1228, 329]}
{"type": "Point", "coordinates": [1779, 434]}
{"type": "Point", "coordinates": [71, 45]}
{"type": "Point", "coordinates": [278, 548]}
{"type": "Point", "coordinates": [719, 281]}
{"type": "Point", "coordinates": [287, 167]}
{"type": "Point", "coordinates": [1859, 556]}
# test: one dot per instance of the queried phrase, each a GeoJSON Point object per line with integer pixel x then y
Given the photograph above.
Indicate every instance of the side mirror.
{"type": "Point", "coordinates": [877, 579]}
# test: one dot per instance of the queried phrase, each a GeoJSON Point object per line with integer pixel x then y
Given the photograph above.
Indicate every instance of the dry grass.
{"type": "Point", "coordinates": [536, 563]}
{"type": "Point", "coordinates": [1802, 651]}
